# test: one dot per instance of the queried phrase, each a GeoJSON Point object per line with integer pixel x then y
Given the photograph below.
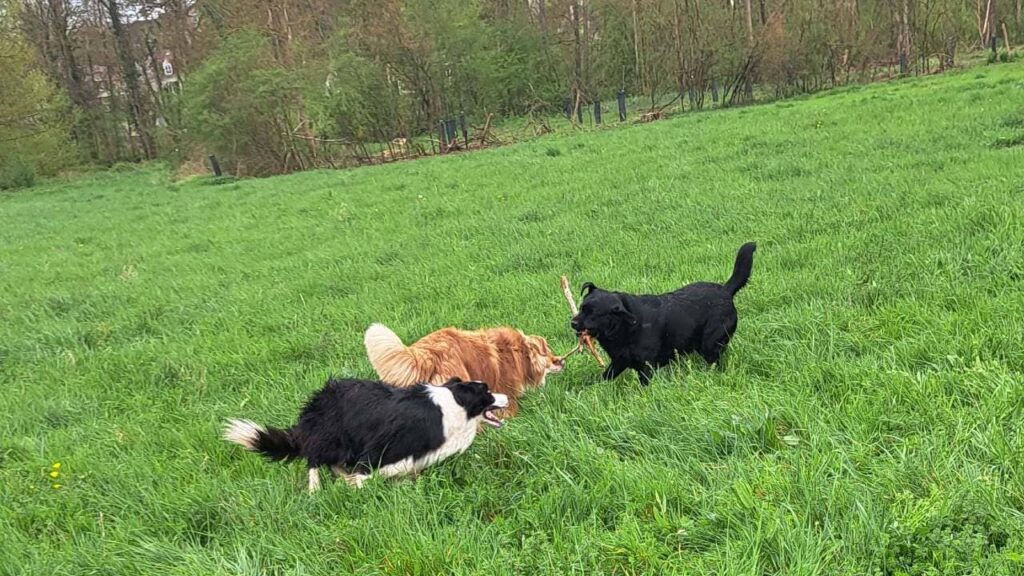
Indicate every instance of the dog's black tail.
{"type": "Point", "coordinates": [274, 443]}
{"type": "Point", "coordinates": [741, 270]}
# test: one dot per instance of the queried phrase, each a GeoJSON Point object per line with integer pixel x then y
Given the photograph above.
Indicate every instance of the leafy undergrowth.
{"type": "Point", "coordinates": [867, 421]}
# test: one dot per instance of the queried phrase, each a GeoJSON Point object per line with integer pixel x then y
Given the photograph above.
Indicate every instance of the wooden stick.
{"type": "Point", "coordinates": [584, 339]}
{"type": "Point", "coordinates": [485, 132]}
{"type": "Point", "coordinates": [568, 296]}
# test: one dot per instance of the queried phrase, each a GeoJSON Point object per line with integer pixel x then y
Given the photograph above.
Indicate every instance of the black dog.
{"type": "Point", "coordinates": [358, 426]}
{"type": "Point", "coordinates": [645, 332]}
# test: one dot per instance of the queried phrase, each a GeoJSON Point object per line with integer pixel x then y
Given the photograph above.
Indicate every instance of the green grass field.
{"type": "Point", "coordinates": [868, 420]}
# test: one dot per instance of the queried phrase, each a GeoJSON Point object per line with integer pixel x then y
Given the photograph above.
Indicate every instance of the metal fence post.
{"type": "Point", "coordinates": [214, 165]}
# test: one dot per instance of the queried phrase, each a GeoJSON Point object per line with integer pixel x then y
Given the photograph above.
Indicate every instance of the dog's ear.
{"type": "Point", "coordinates": [587, 288]}
{"type": "Point", "coordinates": [453, 380]}
{"type": "Point", "coordinates": [620, 310]}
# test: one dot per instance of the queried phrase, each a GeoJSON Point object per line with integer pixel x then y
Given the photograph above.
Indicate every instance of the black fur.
{"type": "Point", "coordinates": [277, 444]}
{"type": "Point", "coordinates": [361, 425]}
{"type": "Point", "coordinates": [645, 332]}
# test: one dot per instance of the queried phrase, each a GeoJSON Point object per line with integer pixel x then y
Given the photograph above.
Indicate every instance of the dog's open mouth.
{"type": "Point", "coordinates": [557, 365]}
{"type": "Point", "coordinates": [492, 419]}
{"type": "Point", "coordinates": [500, 401]}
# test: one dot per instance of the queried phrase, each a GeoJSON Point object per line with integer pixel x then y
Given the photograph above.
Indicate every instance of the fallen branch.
{"type": "Point", "coordinates": [584, 338]}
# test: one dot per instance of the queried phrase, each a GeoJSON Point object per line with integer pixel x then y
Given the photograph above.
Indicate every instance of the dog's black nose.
{"type": "Point", "coordinates": [576, 324]}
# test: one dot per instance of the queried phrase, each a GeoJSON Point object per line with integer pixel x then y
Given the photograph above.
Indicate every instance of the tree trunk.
{"type": "Point", "coordinates": [137, 111]}
{"type": "Point", "coordinates": [114, 121]}
{"type": "Point", "coordinates": [280, 24]}
{"type": "Point", "coordinates": [179, 12]}
{"type": "Point", "coordinates": [637, 53]}
{"type": "Point", "coordinates": [677, 40]}
{"type": "Point", "coordinates": [749, 80]}
{"type": "Point", "coordinates": [542, 20]}
{"type": "Point", "coordinates": [906, 28]}
{"type": "Point", "coordinates": [577, 56]}
{"type": "Point", "coordinates": [985, 20]}
{"type": "Point", "coordinates": [750, 26]}
{"type": "Point", "coordinates": [585, 60]}
{"type": "Point", "coordinates": [46, 25]}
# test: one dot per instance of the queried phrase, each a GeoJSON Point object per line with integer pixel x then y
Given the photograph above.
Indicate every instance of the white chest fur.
{"type": "Point", "coordinates": [459, 433]}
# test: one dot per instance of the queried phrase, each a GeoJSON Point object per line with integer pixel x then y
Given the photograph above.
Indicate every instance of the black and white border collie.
{"type": "Point", "coordinates": [358, 426]}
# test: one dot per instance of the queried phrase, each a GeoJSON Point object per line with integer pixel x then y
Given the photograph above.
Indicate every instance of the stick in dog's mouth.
{"type": "Point", "coordinates": [577, 348]}
{"type": "Point", "coordinates": [584, 338]}
{"type": "Point", "coordinates": [584, 343]}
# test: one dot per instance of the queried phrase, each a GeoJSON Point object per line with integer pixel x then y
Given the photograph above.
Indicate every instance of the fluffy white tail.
{"type": "Point", "coordinates": [274, 443]}
{"type": "Point", "coordinates": [245, 433]}
{"type": "Point", "coordinates": [394, 363]}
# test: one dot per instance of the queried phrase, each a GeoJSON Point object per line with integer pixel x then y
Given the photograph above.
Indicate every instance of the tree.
{"type": "Point", "coordinates": [34, 118]}
{"type": "Point", "coordinates": [238, 107]}
{"type": "Point", "coordinates": [139, 112]}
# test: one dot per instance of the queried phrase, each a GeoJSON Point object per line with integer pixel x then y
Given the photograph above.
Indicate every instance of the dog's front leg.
{"type": "Point", "coordinates": [612, 371]}
{"type": "Point", "coordinates": [645, 373]}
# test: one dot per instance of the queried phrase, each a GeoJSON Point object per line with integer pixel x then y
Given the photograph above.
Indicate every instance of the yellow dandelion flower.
{"type": "Point", "coordinates": [56, 465]}
{"type": "Point", "coordinates": [56, 486]}
{"type": "Point", "coordinates": [54, 474]}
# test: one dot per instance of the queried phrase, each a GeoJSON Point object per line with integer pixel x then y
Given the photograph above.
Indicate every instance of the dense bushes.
{"type": "Point", "coordinates": [237, 105]}
{"type": "Point", "coordinates": [34, 119]}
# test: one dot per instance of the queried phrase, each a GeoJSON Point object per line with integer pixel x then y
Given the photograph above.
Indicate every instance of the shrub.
{"type": "Point", "coordinates": [237, 107]}
{"type": "Point", "coordinates": [16, 172]}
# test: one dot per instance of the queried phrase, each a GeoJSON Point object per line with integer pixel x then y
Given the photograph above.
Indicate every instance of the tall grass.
{"type": "Point", "coordinates": [868, 420]}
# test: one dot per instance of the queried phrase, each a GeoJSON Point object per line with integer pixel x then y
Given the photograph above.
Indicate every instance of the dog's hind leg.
{"type": "Point", "coordinates": [356, 480]}
{"type": "Point", "coordinates": [713, 345]}
{"type": "Point", "coordinates": [353, 479]}
{"type": "Point", "coordinates": [314, 479]}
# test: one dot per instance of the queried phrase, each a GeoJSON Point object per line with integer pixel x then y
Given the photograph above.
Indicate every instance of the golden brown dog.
{"type": "Point", "coordinates": [505, 358]}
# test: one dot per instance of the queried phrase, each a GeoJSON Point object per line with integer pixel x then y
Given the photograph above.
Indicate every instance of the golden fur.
{"type": "Point", "coordinates": [505, 358]}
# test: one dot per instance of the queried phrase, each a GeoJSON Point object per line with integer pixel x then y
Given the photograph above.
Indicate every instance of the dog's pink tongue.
{"type": "Point", "coordinates": [493, 420]}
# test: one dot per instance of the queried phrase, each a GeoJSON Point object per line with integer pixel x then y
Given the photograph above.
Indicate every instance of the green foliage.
{"type": "Point", "coordinates": [238, 106]}
{"type": "Point", "coordinates": [958, 541]}
{"type": "Point", "coordinates": [867, 420]}
{"type": "Point", "coordinates": [357, 102]}
{"type": "Point", "coordinates": [34, 116]}
{"type": "Point", "coordinates": [16, 172]}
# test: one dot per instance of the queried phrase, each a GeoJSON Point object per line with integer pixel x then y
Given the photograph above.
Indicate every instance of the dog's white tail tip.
{"type": "Point", "coordinates": [245, 433]}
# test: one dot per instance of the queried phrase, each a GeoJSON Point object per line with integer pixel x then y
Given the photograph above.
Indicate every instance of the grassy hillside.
{"type": "Point", "coordinates": [868, 421]}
